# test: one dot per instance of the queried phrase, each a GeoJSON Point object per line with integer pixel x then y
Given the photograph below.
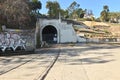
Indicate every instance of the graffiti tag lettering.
{"type": "Point", "coordinates": [9, 40]}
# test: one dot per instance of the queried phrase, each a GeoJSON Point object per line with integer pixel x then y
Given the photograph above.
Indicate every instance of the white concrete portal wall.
{"type": "Point", "coordinates": [67, 36]}
{"type": "Point", "coordinates": [65, 32]}
{"type": "Point", "coordinates": [45, 22]}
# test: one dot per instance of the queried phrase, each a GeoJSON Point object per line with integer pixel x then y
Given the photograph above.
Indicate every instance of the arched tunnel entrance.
{"type": "Point", "coordinates": [49, 34]}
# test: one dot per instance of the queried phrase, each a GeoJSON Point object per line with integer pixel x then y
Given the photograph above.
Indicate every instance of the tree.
{"type": "Point", "coordinates": [73, 6]}
{"type": "Point", "coordinates": [114, 17]}
{"type": "Point", "coordinates": [53, 9]}
{"type": "Point", "coordinates": [106, 8]}
{"type": "Point", "coordinates": [35, 5]}
{"type": "Point", "coordinates": [72, 9]}
{"type": "Point", "coordinates": [63, 13]}
{"type": "Point", "coordinates": [103, 16]}
{"type": "Point", "coordinates": [49, 6]}
{"type": "Point", "coordinates": [104, 13]}
{"type": "Point", "coordinates": [80, 13]}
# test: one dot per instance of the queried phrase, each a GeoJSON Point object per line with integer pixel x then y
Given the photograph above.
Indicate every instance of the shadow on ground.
{"type": "Point", "coordinates": [88, 54]}
{"type": "Point", "coordinates": [74, 55]}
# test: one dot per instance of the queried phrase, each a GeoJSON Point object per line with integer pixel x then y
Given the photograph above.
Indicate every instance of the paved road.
{"type": "Point", "coordinates": [27, 67]}
{"type": "Point", "coordinates": [87, 62]}
{"type": "Point", "coordinates": [75, 62]}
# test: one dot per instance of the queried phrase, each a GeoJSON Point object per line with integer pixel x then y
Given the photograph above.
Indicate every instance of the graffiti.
{"type": "Point", "coordinates": [11, 41]}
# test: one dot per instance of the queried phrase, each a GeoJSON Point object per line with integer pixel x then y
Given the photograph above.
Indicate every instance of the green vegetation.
{"type": "Point", "coordinates": [54, 9]}
{"type": "Point", "coordinates": [107, 16]}
{"type": "Point", "coordinates": [73, 11]}
{"type": "Point", "coordinates": [104, 13]}
{"type": "Point", "coordinates": [114, 17]}
{"type": "Point", "coordinates": [24, 13]}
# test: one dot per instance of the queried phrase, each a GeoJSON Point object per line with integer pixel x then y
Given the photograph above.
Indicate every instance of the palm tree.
{"type": "Point", "coordinates": [49, 6]}
{"type": "Point", "coordinates": [54, 8]}
{"type": "Point", "coordinates": [35, 5]}
{"type": "Point", "coordinates": [106, 8]}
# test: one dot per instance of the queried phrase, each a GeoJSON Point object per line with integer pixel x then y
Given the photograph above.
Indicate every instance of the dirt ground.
{"type": "Point", "coordinates": [75, 62]}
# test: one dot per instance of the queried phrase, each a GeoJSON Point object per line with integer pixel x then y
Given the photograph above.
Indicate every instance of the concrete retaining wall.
{"type": "Point", "coordinates": [15, 40]}
{"type": "Point", "coordinates": [103, 40]}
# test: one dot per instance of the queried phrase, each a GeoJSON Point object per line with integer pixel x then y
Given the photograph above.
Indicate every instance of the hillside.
{"type": "Point", "coordinates": [92, 23]}
{"type": "Point", "coordinates": [113, 28]}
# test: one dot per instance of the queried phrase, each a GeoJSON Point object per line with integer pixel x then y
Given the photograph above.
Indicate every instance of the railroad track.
{"type": "Point", "coordinates": [8, 60]}
{"type": "Point", "coordinates": [41, 76]}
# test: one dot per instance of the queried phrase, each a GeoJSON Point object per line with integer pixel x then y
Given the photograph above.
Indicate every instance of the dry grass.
{"type": "Point", "coordinates": [114, 27]}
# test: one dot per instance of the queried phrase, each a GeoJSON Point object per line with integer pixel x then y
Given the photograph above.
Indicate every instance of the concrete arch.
{"type": "Point", "coordinates": [49, 34]}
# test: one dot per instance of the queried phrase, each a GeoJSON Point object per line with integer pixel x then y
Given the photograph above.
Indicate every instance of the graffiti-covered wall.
{"type": "Point", "coordinates": [17, 40]}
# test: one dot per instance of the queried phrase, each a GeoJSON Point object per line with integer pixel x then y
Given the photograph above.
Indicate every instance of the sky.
{"type": "Point", "coordinates": [95, 5]}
